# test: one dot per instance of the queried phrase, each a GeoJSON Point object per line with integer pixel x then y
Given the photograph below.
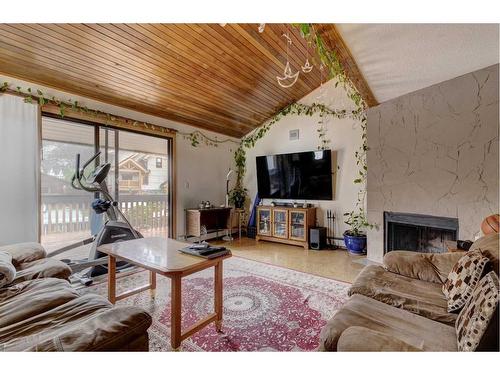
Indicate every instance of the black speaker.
{"type": "Point", "coordinates": [317, 238]}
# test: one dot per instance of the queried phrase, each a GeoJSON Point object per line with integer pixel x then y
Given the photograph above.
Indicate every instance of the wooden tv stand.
{"type": "Point", "coordinates": [287, 225]}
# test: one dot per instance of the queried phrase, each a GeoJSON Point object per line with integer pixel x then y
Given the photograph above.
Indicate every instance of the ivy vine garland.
{"type": "Point", "coordinates": [328, 58]}
{"type": "Point", "coordinates": [356, 218]}
{"type": "Point", "coordinates": [197, 137]}
{"type": "Point", "coordinates": [39, 97]}
{"type": "Point", "coordinates": [323, 111]}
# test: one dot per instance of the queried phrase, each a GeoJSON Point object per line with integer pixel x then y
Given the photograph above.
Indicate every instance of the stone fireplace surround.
{"type": "Point", "coordinates": [435, 152]}
{"type": "Point", "coordinates": [420, 233]}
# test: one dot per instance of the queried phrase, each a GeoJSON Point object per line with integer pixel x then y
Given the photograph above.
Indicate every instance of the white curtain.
{"type": "Point", "coordinates": [19, 170]}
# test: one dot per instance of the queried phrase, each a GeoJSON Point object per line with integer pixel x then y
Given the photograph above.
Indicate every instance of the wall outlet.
{"type": "Point", "coordinates": [293, 135]}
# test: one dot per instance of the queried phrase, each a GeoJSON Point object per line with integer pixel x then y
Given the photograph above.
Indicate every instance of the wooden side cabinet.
{"type": "Point", "coordinates": [285, 224]}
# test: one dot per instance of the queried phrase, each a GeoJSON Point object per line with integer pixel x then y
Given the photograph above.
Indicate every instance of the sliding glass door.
{"type": "Point", "coordinates": [140, 179]}
{"type": "Point", "coordinates": [65, 212]}
{"type": "Point", "coordinates": [144, 183]}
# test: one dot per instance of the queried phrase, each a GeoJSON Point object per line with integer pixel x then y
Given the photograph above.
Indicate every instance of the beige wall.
{"type": "Point", "coordinates": [435, 151]}
{"type": "Point", "coordinates": [201, 171]}
{"type": "Point", "coordinates": [345, 136]}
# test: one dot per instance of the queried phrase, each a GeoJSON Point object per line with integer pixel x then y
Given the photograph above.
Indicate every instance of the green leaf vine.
{"type": "Point", "coordinates": [356, 218]}
{"type": "Point", "coordinates": [328, 58]}
{"type": "Point", "coordinates": [298, 109]}
{"type": "Point", "coordinates": [41, 98]}
{"type": "Point", "coordinates": [197, 138]}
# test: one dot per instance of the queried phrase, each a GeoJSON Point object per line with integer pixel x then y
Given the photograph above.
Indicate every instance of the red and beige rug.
{"type": "Point", "coordinates": [266, 308]}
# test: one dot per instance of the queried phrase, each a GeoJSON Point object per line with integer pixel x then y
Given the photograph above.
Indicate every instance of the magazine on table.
{"type": "Point", "coordinates": [205, 250]}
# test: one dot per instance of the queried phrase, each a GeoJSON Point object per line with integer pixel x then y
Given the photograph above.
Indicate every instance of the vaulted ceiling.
{"type": "Point", "coordinates": [396, 59]}
{"type": "Point", "coordinates": [223, 78]}
{"type": "Point", "coordinates": [220, 78]}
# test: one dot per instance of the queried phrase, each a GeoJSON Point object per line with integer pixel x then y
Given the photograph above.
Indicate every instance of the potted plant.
{"type": "Point", "coordinates": [237, 196]}
{"type": "Point", "coordinates": [355, 238]}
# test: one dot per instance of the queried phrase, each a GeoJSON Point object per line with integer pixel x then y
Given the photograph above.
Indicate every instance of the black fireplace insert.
{"type": "Point", "coordinates": [415, 232]}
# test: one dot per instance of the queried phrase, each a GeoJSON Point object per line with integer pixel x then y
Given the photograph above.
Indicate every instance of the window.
{"type": "Point", "coordinates": [128, 176]}
{"type": "Point", "coordinates": [158, 163]}
{"type": "Point", "coordinates": [144, 195]}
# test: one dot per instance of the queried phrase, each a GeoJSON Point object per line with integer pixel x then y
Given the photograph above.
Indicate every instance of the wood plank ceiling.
{"type": "Point", "coordinates": [217, 78]}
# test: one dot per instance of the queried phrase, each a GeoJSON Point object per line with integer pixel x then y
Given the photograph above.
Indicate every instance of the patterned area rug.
{"type": "Point", "coordinates": [266, 308]}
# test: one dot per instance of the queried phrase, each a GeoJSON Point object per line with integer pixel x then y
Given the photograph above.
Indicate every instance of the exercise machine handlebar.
{"type": "Point", "coordinates": [79, 174]}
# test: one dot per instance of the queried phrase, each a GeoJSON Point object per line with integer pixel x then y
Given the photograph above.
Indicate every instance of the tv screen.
{"type": "Point", "coordinates": [301, 175]}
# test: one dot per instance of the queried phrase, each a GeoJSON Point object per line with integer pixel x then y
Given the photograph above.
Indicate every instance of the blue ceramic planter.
{"type": "Point", "coordinates": [355, 244]}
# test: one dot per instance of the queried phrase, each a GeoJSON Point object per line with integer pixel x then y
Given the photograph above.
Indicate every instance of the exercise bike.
{"type": "Point", "coordinates": [112, 231]}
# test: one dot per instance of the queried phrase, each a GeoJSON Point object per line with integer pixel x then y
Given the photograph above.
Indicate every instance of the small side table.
{"type": "Point", "coordinates": [241, 215]}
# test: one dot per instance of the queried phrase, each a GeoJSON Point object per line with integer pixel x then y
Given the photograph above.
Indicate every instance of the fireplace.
{"type": "Point", "coordinates": [421, 233]}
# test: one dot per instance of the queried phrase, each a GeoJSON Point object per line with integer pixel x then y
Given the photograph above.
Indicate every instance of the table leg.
{"type": "Point", "coordinates": [111, 279]}
{"type": "Point", "coordinates": [218, 295]}
{"type": "Point", "coordinates": [152, 283]}
{"type": "Point", "coordinates": [239, 226]}
{"type": "Point", "coordinates": [176, 311]}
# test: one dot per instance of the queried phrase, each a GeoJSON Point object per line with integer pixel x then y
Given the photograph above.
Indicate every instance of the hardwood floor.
{"type": "Point", "coordinates": [335, 264]}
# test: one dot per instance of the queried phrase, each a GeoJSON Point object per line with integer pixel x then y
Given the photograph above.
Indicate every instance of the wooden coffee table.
{"type": "Point", "coordinates": [161, 256]}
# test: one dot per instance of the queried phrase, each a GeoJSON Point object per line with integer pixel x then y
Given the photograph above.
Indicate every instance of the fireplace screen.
{"type": "Point", "coordinates": [421, 233]}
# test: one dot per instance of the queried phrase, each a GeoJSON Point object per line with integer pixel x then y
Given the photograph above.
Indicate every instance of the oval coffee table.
{"type": "Point", "coordinates": [161, 256]}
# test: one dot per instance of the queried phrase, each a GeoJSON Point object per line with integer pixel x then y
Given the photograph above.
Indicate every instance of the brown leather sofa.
{"type": "Point", "coordinates": [401, 306]}
{"type": "Point", "coordinates": [41, 311]}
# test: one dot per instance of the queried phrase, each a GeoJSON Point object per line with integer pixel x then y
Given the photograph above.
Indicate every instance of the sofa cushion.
{"type": "Point", "coordinates": [416, 331]}
{"type": "Point", "coordinates": [7, 269]}
{"type": "Point", "coordinates": [88, 322]}
{"type": "Point", "coordinates": [477, 317]}
{"type": "Point", "coordinates": [434, 268]}
{"type": "Point", "coordinates": [24, 252]}
{"type": "Point", "coordinates": [417, 296]}
{"type": "Point", "coordinates": [373, 341]}
{"type": "Point", "coordinates": [463, 278]}
{"type": "Point", "coordinates": [24, 300]}
{"type": "Point", "coordinates": [43, 268]}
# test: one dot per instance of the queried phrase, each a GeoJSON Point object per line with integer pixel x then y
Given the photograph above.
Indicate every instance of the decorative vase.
{"type": "Point", "coordinates": [355, 244]}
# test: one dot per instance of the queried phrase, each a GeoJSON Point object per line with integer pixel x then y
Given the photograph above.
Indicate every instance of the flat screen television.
{"type": "Point", "coordinates": [301, 175]}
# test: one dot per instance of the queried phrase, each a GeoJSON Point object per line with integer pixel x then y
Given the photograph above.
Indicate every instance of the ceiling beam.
{"type": "Point", "coordinates": [333, 39]}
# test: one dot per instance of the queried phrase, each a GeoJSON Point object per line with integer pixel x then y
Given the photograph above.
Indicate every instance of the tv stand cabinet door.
{"type": "Point", "coordinates": [264, 221]}
{"type": "Point", "coordinates": [298, 225]}
{"type": "Point", "coordinates": [280, 223]}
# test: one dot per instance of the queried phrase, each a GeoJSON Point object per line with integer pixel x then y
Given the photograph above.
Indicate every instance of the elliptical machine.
{"type": "Point", "coordinates": [112, 231]}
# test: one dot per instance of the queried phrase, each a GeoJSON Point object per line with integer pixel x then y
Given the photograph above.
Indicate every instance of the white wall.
{"type": "Point", "coordinates": [345, 136]}
{"type": "Point", "coordinates": [201, 171]}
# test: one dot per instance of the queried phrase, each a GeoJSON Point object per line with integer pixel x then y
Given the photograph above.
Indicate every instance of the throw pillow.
{"type": "Point", "coordinates": [476, 318]}
{"type": "Point", "coordinates": [463, 278]}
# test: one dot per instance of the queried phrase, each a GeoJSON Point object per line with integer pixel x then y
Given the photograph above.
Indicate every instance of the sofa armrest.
{"type": "Point", "coordinates": [43, 269]}
{"type": "Point", "coordinates": [361, 339]}
{"type": "Point", "coordinates": [433, 268]}
{"type": "Point", "coordinates": [24, 252]}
